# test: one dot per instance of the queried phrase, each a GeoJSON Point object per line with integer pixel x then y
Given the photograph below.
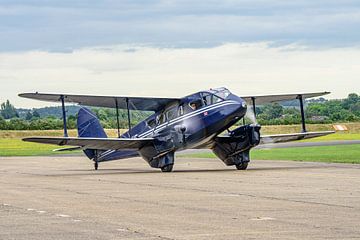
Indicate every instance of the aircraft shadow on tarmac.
{"type": "Point", "coordinates": [124, 171]}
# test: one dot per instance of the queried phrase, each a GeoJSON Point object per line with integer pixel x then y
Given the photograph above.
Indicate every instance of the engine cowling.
{"type": "Point", "coordinates": [235, 148]}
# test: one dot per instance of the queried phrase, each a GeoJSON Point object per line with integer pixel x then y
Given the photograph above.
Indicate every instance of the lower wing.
{"type": "Point", "coordinates": [280, 138]}
{"type": "Point", "coordinates": [94, 143]}
{"type": "Point", "coordinates": [268, 139]}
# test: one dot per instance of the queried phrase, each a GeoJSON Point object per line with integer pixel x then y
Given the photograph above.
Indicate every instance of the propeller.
{"type": "Point", "coordinates": [250, 116]}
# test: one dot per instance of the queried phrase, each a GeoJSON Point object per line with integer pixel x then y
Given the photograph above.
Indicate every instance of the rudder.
{"type": "Point", "coordinates": [88, 125]}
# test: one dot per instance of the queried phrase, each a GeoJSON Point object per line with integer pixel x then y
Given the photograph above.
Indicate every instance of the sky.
{"type": "Point", "coordinates": [173, 48]}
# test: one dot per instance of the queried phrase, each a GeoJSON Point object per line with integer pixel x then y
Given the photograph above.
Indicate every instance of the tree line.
{"type": "Point", "coordinates": [317, 111]}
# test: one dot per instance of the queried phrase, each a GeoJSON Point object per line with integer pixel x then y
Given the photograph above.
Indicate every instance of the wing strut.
{"type": "Point", "coordinates": [117, 117]}
{"type": "Point", "coordinates": [128, 113]}
{"type": "Point", "coordinates": [300, 97]}
{"type": "Point", "coordinates": [64, 115]}
{"type": "Point", "coordinates": [254, 106]}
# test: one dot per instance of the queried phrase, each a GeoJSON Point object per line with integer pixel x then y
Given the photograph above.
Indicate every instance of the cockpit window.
{"type": "Point", "coordinates": [217, 99]}
{"type": "Point", "coordinates": [207, 98]}
{"type": "Point", "coordinates": [213, 96]}
{"type": "Point", "coordinates": [220, 92]}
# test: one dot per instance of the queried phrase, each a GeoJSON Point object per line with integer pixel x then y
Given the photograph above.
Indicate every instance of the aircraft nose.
{"type": "Point", "coordinates": [241, 107]}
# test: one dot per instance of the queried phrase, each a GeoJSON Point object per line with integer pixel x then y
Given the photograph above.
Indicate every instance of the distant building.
{"type": "Point", "coordinates": [318, 118]}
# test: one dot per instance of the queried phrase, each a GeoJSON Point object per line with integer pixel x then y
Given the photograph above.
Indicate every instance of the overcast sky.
{"type": "Point", "coordinates": [172, 48]}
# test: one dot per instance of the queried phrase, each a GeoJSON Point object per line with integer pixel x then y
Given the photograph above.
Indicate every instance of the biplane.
{"type": "Point", "coordinates": [203, 120]}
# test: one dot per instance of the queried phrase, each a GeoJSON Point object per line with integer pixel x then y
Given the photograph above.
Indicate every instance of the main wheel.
{"type": "Point", "coordinates": [167, 168]}
{"type": "Point", "coordinates": [242, 166]}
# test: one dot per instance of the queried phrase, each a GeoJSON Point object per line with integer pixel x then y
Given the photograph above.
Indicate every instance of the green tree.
{"type": "Point", "coordinates": [272, 111]}
{"type": "Point", "coordinates": [352, 99]}
{"type": "Point", "coordinates": [8, 111]}
{"type": "Point", "coordinates": [3, 124]}
{"type": "Point", "coordinates": [36, 114]}
{"type": "Point", "coordinates": [28, 116]}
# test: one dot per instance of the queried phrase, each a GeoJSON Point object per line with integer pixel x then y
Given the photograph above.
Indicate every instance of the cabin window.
{"type": "Point", "coordinates": [151, 123]}
{"type": "Point", "coordinates": [196, 104]}
{"type": "Point", "coordinates": [160, 119]}
{"type": "Point", "coordinates": [171, 114]}
{"type": "Point", "coordinates": [187, 109]}
{"type": "Point", "coordinates": [181, 110]}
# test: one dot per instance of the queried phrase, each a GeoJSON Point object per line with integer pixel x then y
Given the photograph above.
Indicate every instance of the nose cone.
{"type": "Point", "coordinates": [242, 106]}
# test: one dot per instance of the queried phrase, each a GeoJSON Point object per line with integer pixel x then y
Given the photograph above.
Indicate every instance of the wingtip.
{"type": "Point", "coordinates": [27, 95]}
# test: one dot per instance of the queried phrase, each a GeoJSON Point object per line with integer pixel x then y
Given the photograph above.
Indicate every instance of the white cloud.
{"type": "Point", "coordinates": [253, 68]}
{"type": "Point", "coordinates": [63, 25]}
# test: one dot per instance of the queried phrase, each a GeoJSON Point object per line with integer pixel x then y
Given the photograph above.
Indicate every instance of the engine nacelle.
{"type": "Point", "coordinates": [161, 152]}
{"type": "Point", "coordinates": [234, 150]}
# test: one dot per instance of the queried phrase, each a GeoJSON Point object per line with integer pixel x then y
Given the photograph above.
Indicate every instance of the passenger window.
{"type": "Point", "coordinates": [151, 123]}
{"type": "Point", "coordinates": [187, 109]}
{"type": "Point", "coordinates": [171, 114]}
{"type": "Point", "coordinates": [181, 110]}
{"type": "Point", "coordinates": [207, 100]}
{"type": "Point", "coordinates": [196, 104]}
{"type": "Point", "coordinates": [160, 119]}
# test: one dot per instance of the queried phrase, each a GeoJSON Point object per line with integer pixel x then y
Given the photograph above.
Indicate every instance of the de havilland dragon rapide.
{"type": "Point", "coordinates": [203, 120]}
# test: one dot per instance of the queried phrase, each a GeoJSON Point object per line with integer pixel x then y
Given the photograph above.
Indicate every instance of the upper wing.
{"type": "Point", "coordinates": [134, 103]}
{"type": "Point", "coordinates": [281, 97]}
{"type": "Point", "coordinates": [278, 138]}
{"type": "Point", "coordinates": [94, 143]}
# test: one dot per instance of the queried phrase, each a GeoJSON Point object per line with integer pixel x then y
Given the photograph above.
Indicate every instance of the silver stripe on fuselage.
{"type": "Point", "coordinates": [188, 115]}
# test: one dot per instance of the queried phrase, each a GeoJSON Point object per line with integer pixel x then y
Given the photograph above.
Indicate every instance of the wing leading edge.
{"type": "Point", "coordinates": [289, 137]}
{"type": "Point", "coordinates": [281, 97]}
{"type": "Point", "coordinates": [94, 143]}
{"type": "Point", "coordinates": [121, 102]}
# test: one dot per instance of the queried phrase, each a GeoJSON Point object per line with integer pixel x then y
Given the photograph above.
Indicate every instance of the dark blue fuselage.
{"type": "Point", "coordinates": [189, 123]}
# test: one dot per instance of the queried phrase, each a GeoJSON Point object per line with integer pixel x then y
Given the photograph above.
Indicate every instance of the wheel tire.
{"type": "Point", "coordinates": [96, 165]}
{"type": "Point", "coordinates": [242, 166]}
{"type": "Point", "coordinates": [167, 168]}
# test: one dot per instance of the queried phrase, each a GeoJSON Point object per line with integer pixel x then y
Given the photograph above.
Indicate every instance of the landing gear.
{"type": "Point", "coordinates": [242, 166]}
{"type": "Point", "coordinates": [96, 165]}
{"type": "Point", "coordinates": [167, 168]}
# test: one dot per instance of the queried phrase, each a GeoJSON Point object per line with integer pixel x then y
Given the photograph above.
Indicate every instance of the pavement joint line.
{"type": "Point", "coordinates": [63, 215]}
{"type": "Point", "coordinates": [40, 212]}
{"type": "Point", "coordinates": [262, 219]}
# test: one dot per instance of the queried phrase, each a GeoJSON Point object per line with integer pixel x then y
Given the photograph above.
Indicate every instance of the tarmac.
{"type": "Point", "coordinates": [64, 198]}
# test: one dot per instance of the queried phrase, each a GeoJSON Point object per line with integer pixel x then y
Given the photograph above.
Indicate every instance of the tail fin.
{"type": "Point", "coordinates": [89, 126]}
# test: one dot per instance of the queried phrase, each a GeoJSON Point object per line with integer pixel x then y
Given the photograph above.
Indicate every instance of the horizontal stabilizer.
{"type": "Point", "coordinates": [279, 138]}
{"type": "Point", "coordinates": [281, 97]}
{"type": "Point", "coordinates": [94, 143]}
{"type": "Point", "coordinates": [121, 102]}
